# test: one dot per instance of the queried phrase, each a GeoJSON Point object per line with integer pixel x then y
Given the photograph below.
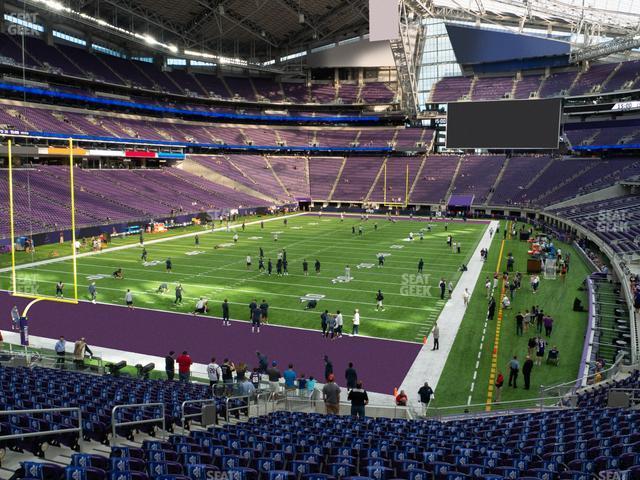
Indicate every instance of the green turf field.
{"type": "Point", "coordinates": [554, 296]}
{"type": "Point", "coordinates": [412, 303]}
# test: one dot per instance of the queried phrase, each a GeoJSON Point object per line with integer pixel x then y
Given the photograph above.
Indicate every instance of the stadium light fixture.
{"type": "Point", "coordinates": [56, 6]}
{"type": "Point", "coordinates": [150, 40]}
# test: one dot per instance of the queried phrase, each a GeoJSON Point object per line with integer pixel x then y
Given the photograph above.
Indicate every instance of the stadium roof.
{"type": "Point", "coordinates": [592, 17]}
{"type": "Point", "coordinates": [262, 30]}
{"type": "Point", "coordinates": [241, 28]}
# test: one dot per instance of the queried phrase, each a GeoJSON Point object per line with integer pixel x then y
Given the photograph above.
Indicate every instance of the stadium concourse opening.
{"type": "Point", "coordinates": [319, 240]}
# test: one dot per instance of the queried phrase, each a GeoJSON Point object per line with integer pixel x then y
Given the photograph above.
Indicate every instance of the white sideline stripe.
{"type": "Point", "coordinates": [428, 365]}
{"type": "Point", "coordinates": [137, 245]}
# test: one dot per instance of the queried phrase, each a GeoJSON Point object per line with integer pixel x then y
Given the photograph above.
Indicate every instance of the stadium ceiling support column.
{"type": "Point", "coordinates": [402, 49]}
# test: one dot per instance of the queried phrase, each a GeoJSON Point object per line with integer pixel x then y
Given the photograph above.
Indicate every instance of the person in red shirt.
{"type": "Point", "coordinates": [401, 399]}
{"type": "Point", "coordinates": [184, 366]}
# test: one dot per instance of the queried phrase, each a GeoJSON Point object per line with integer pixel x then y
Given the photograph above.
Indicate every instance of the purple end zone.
{"type": "Point", "coordinates": [381, 364]}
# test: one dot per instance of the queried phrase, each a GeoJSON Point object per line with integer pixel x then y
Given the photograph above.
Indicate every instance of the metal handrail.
{"type": "Point", "coordinates": [238, 397]}
{"type": "Point", "coordinates": [184, 417]}
{"type": "Point", "coordinates": [494, 408]}
{"type": "Point", "coordinates": [312, 401]}
{"type": "Point", "coordinates": [26, 352]}
{"type": "Point", "coordinates": [572, 383]}
{"type": "Point", "coordinates": [46, 432]}
{"type": "Point", "coordinates": [114, 424]}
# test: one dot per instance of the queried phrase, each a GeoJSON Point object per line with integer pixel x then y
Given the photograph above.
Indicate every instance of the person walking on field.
{"type": "Point", "coordinates": [425, 393]}
{"type": "Point", "coordinates": [526, 372]}
{"type": "Point", "coordinates": [436, 337]}
{"type": "Point", "coordinates": [514, 368]}
{"type": "Point", "coordinates": [351, 376]}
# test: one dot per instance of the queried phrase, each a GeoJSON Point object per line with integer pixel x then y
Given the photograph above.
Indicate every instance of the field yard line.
{"type": "Point", "coordinates": [342, 247]}
{"type": "Point", "coordinates": [496, 343]}
{"type": "Point", "coordinates": [153, 292]}
{"type": "Point", "coordinates": [109, 271]}
{"type": "Point", "coordinates": [484, 327]}
{"type": "Point", "coordinates": [326, 262]}
{"type": "Point", "coordinates": [137, 245]}
{"type": "Point", "coordinates": [428, 365]}
{"type": "Point", "coordinates": [220, 289]}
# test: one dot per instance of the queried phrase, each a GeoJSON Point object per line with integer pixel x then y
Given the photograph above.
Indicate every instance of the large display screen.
{"type": "Point", "coordinates": [504, 124]}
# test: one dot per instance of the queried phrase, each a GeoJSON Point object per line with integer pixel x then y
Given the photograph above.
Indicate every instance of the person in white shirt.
{"type": "Point", "coordinates": [347, 273]}
{"type": "Point", "coordinates": [235, 238]}
{"type": "Point", "coordinates": [465, 297]}
{"type": "Point", "coordinates": [506, 303]}
{"type": "Point", "coordinates": [201, 306]}
{"type": "Point", "coordinates": [410, 235]}
{"type": "Point", "coordinates": [356, 322]}
{"type": "Point", "coordinates": [128, 299]}
{"type": "Point", "coordinates": [248, 262]}
{"type": "Point", "coordinates": [214, 372]}
{"type": "Point", "coordinates": [339, 324]}
{"type": "Point", "coordinates": [487, 286]}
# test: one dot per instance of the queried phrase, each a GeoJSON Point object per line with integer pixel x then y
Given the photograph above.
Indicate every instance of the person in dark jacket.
{"type": "Point", "coordinates": [527, 366]}
{"type": "Point", "coordinates": [225, 313]}
{"type": "Point", "coordinates": [263, 362]}
{"type": "Point", "coordinates": [425, 394]}
{"type": "Point", "coordinates": [324, 317]}
{"type": "Point", "coordinates": [170, 365]}
{"type": "Point", "coordinates": [351, 376]}
{"type": "Point", "coordinates": [491, 311]}
{"type": "Point", "coordinates": [328, 367]}
{"type": "Point", "coordinates": [359, 399]}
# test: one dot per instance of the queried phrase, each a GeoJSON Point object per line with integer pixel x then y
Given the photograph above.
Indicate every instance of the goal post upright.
{"type": "Point", "coordinates": [12, 229]}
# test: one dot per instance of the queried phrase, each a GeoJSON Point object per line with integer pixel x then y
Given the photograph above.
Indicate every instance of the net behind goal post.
{"type": "Point", "coordinates": [549, 271]}
{"type": "Point", "coordinates": [26, 203]}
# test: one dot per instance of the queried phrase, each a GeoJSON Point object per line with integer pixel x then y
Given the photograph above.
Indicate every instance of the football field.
{"type": "Point", "coordinates": [216, 269]}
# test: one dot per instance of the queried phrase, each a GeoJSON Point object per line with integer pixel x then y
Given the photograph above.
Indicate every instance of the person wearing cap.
{"type": "Point", "coordinates": [331, 396]}
{"type": "Point", "coordinates": [274, 376]}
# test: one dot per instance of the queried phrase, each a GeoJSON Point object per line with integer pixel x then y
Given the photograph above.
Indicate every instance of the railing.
{"type": "Point", "coordinates": [316, 405]}
{"type": "Point", "coordinates": [45, 432]}
{"type": "Point", "coordinates": [228, 409]}
{"type": "Point", "coordinates": [570, 388]}
{"type": "Point", "coordinates": [185, 416]}
{"type": "Point", "coordinates": [115, 424]}
{"type": "Point", "coordinates": [508, 407]}
{"type": "Point", "coordinates": [46, 360]}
